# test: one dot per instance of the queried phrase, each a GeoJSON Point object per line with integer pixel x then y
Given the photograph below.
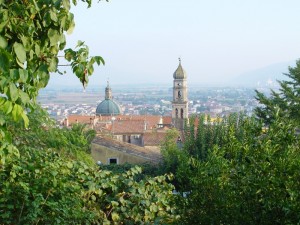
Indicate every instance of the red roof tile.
{"type": "Point", "coordinates": [80, 119]}
{"type": "Point", "coordinates": [128, 127]}
{"type": "Point", "coordinates": [154, 138]}
{"type": "Point", "coordinates": [151, 120]}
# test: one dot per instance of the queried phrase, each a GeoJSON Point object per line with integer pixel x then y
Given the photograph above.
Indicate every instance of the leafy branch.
{"type": "Point", "coordinates": [82, 64]}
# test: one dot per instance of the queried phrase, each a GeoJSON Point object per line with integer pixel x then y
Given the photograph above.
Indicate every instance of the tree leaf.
{"type": "Point", "coordinates": [37, 49]}
{"type": "Point", "coordinates": [71, 27]}
{"type": "Point", "coordinates": [90, 70]}
{"type": "Point", "coordinates": [19, 63]}
{"type": "Point", "coordinates": [3, 42]}
{"type": "Point", "coordinates": [17, 112]}
{"type": "Point", "coordinates": [53, 15]}
{"type": "Point", "coordinates": [2, 121]}
{"type": "Point", "coordinates": [24, 97]}
{"type": "Point", "coordinates": [115, 216]}
{"type": "Point", "coordinates": [13, 91]}
{"type": "Point", "coordinates": [20, 52]}
{"type": "Point", "coordinates": [70, 165]}
{"type": "Point", "coordinates": [53, 65]}
{"type": "Point", "coordinates": [7, 107]}
{"type": "Point", "coordinates": [47, 19]}
{"type": "Point", "coordinates": [79, 43]}
{"type": "Point", "coordinates": [26, 42]}
{"type": "Point", "coordinates": [66, 4]}
{"type": "Point", "coordinates": [99, 60]}
{"type": "Point", "coordinates": [3, 24]}
{"type": "Point", "coordinates": [23, 76]}
{"type": "Point", "coordinates": [25, 119]}
{"type": "Point", "coordinates": [14, 74]}
{"type": "Point", "coordinates": [2, 100]}
{"type": "Point", "coordinates": [69, 54]}
{"type": "Point", "coordinates": [53, 36]}
{"type": "Point", "coordinates": [5, 60]}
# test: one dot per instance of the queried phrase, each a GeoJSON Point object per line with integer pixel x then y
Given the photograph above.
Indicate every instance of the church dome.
{"type": "Point", "coordinates": [179, 73]}
{"type": "Point", "coordinates": [108, 107]}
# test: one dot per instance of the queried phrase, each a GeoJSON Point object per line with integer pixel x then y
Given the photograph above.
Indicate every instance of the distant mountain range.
{"type": "Point", "coordinates": [263, 76]}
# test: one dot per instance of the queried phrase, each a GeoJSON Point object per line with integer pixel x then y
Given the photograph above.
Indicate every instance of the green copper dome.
{"type": "Point", "coordinates": [108, 107]}
{"type": "Point", "coordinates": [179, 73]}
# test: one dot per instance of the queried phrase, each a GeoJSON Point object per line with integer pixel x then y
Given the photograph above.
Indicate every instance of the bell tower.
{"type": "Point", "coordinates": [180, 98]}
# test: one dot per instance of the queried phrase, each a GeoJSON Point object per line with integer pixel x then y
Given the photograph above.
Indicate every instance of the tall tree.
{"type": "Point", "coordinates": [248, 175]}
{"type": "Point", "coordinates": [32, 35]}
{"type": "Point", "coordinates": [286, 102]}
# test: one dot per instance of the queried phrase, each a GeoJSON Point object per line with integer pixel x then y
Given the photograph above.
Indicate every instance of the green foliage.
{"type": "Point", "coordinates": [42, 187]}
{"type": "Point", "coordinates": [203, 138]}
{"type": "Point", "coordinates": [134, 202]}
{"type": "Point", "coordinates": [55, 181]}
{"type": "Point", "coordinates": [250, 178]}
{"type": "Point", "coordinates": [32, 33]}
{"type": "Point", "coordinates": [81, 67]}
{"type": "Point", "coordinates": [175, 161]}
{"type": "Point", "coordinates": [286, 102]}
{"type": "Point", "coordinates": [169, 150]}
{"type": "Point", "coordinates": [74, 143]}
{"type": "Point", "coordinates": [148, 169]}
{"type": "Point", "coordinates": [38, 189]}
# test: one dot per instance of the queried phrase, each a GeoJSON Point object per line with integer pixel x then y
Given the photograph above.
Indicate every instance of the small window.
{"type": "Point", "coordinates": [112, 161]}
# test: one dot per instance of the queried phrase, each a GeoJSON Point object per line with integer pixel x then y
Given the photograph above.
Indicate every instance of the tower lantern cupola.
{"type": "Point", "coordinates": [179, 72]}
{"type": "Point", "coordinates": [108, 92]}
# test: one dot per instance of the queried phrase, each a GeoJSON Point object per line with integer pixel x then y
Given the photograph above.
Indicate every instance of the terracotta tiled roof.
{"type": "Point", "coordinates": [167, 120]}
{"type": "Point", "coordinates": [151, 120]}
{"type": "Point", "coordinates": [128, 127]}
{"type": "Point", "coordinates": [80, 119]}
{"type": "Point", "coordinates": [154, 138]}
{"type": "Point", "coordinates": [102, 127]}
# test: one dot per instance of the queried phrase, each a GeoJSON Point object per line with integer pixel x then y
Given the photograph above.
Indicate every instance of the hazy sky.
{"type": "Point", "coordinates": [216, 39]}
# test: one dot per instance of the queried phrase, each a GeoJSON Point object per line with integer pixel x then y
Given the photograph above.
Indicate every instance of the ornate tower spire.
{"type": "Point", "coordinates": [180, 100]}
